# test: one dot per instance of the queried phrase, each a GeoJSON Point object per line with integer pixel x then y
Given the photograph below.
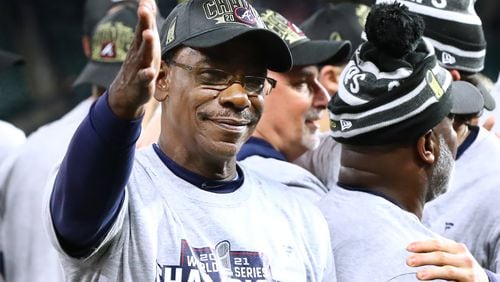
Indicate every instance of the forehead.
{"type": "Point", "coordinates": [299, 73]}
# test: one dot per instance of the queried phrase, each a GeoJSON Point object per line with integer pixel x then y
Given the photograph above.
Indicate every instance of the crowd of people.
{"type": "Point", "coordinates": [228, 143]}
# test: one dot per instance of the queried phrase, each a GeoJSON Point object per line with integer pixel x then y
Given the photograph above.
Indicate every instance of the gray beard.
{"type": "Point", "coordinates": [441, 175]}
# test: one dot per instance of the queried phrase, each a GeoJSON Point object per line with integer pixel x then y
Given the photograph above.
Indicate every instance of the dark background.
{"type": "Point", "coordinates": [47, 33]}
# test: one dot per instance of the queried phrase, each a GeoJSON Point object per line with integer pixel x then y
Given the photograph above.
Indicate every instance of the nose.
{"type": "Point", "coordinates": [321, 96]}
{"type": "Point", "coordinates": [234, 96]}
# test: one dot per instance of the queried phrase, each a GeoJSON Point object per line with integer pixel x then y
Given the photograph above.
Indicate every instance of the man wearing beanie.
{"type": "Point", "coordinates": [290, 122]}
{"type": "Point", "coordinates": [398, 146]}
{"type": "Point", "coordinates": [183, 209]}
{"type": "Point", "coordinates": [468, 213]}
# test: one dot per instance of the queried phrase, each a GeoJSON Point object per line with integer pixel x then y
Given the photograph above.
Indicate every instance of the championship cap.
{"type": "Point", "coordinates": [111, 40]}
{"type": "Point", "coordinates": [208, 23]}
{"type": "Point", "coordinates": [304, 50]}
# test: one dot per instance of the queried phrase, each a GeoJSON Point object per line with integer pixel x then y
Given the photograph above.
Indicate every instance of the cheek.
{"type": "Point", "coordinates": [257, 105]}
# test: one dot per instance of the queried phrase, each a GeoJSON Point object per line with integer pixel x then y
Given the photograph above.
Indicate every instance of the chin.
{"type": "Point", "coordinates": [311, 141]}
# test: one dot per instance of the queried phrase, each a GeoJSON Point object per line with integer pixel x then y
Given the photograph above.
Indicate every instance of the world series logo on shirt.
{"type": "Point", "coordinates": [218, 264]}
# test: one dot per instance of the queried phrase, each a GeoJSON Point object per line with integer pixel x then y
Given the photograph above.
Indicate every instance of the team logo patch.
{"type": "Point", "coordinates": [108, 50]}
{"type": "Point", "coordinates": [245, 16]}
{"type": "Point", "coordinates": [279, 24]}
{"type": "Point", "coordinates": [217, 264]}
{"type": "Point", "coordinates": [433, 83]}
{"type": "Point", "coordinates": [111, 42]}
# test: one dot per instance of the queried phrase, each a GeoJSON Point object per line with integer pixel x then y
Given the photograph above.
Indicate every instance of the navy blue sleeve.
{"type": "Point", "coordinates": [492, 277]}
{"type": "Point", "coordinates": [90, 185]}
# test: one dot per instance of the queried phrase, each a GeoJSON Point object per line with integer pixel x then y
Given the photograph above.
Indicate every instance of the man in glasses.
{"type": "Point", "coordinates": [290, 121]}
{"type": "Point", "coordinates": [183, 209]}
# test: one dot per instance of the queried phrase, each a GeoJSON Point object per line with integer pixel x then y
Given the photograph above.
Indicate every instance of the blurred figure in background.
{"type": "Point", "coordinates": [11, 137]}
{"type": "Point", "coordinates": [343, 21]}
{"type": "Point", "coordinates": [29, 256]}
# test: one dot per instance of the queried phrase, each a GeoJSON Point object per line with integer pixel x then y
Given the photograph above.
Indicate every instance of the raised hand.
{"type": "Point", "coordinates": [135, 83]}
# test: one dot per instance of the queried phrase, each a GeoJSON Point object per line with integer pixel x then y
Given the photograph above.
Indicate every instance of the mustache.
{"type": "Point", "coordinates": [313, 114]}
{"type": "Point", "coordinates": [247, 115]}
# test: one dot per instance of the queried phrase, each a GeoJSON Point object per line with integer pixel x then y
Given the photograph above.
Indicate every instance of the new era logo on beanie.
{"type": "Point", "coordinates": [393, 90]}
{"type": "Point", "coordinates": [208, 23]}
{"type": "Point", "coordinates": [455, 31]}
{"type": "Point", "coordinates": [305, 51]}
{"type": "Point", "coordinates": [110, 43]}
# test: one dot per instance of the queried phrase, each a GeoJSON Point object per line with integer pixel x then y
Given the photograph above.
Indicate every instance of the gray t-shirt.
{"type": "Point", "coordinates": [170, 230]}
{"type": "Point", "coordinates": [369, 236]}
{"type": "Point", "coordinates": [469, 211]}
{"type": "Point", "coordinates": [302, 182]}
{"type": "Point", "coordinates": [324, 161]}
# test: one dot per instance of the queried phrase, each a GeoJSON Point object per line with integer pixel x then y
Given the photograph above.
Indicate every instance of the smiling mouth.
{"type": "Point", "coordinates": [231, 124]}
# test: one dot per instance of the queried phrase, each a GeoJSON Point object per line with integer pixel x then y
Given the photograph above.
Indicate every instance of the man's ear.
{"type": "Point", "coordinates": [86, 46]}
{"type": "Point", "coordinates": [427, 147]}
{"type": "Point", "coordinates": [162, 83]}
{"type": "Point", "coordinates": [328, 76]}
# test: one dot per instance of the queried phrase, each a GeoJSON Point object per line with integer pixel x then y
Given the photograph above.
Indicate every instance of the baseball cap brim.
{"type": "Point", "coordinates": [9, 59]}
{"type": "Point", "coordinates": [489, 101]}
{"type": "Point", "coordinates": [276, 54]}
{"type": "Point", "coordinates": [96, 73]}
{"type": "Point", "coordinates": [467, 99]}
{"type": "Point", "coordinates": [315, 52]}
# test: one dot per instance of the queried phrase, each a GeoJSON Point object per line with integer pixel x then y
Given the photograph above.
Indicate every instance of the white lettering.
{"type": "Point", "coordinates": [191, 260]}
{"type": "Point", "coordinates": [350, 73]}
{"type": "Point", "coordinates": [194, 276]}
{"type": "Point", "coordinates": [167, 274]}
{"type": "Point", "coordinates": [354, 86]}
{"type": "Point", "coordinates": [249, 272]}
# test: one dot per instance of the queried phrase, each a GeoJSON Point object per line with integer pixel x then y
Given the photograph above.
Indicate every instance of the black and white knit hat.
{"type": "Point", "coordinates": [455, 31]}
{"type": "Point", "coordinates": [393, 90]}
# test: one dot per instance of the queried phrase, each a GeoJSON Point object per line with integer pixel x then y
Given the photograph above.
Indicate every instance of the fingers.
{"type": "Point", "coordinates": [146, 15]}
{"type": "Point", "coordinates": [446, 273]}
{"type": "Point", "coordinates": [431, 245]}
{"type": "Point", "coordinates": [135, 83]}
{"type": "Point", "coordinates": [449, 260]}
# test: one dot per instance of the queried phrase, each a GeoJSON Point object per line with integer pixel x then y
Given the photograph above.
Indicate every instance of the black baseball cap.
{"type": "Point", "coordinates": [305, 51]}
{"type": "Point", "coordinates": [204, 24]}
{"type": "Point", "coordinates": [110, 43]}
{"type": "Point", "coordinates": [9, 59]}
{"type": "Point", "coordinates": [344, 21]}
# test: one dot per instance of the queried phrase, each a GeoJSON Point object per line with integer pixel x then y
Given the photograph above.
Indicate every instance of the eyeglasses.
{"type": "Point", "coordinates": [219, 80]}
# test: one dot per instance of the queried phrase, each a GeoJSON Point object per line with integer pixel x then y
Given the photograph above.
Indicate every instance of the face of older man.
{"type": "Point", "coordinates": [290, 121]}
{"type": "Point", "coordinates": [214, 101]}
